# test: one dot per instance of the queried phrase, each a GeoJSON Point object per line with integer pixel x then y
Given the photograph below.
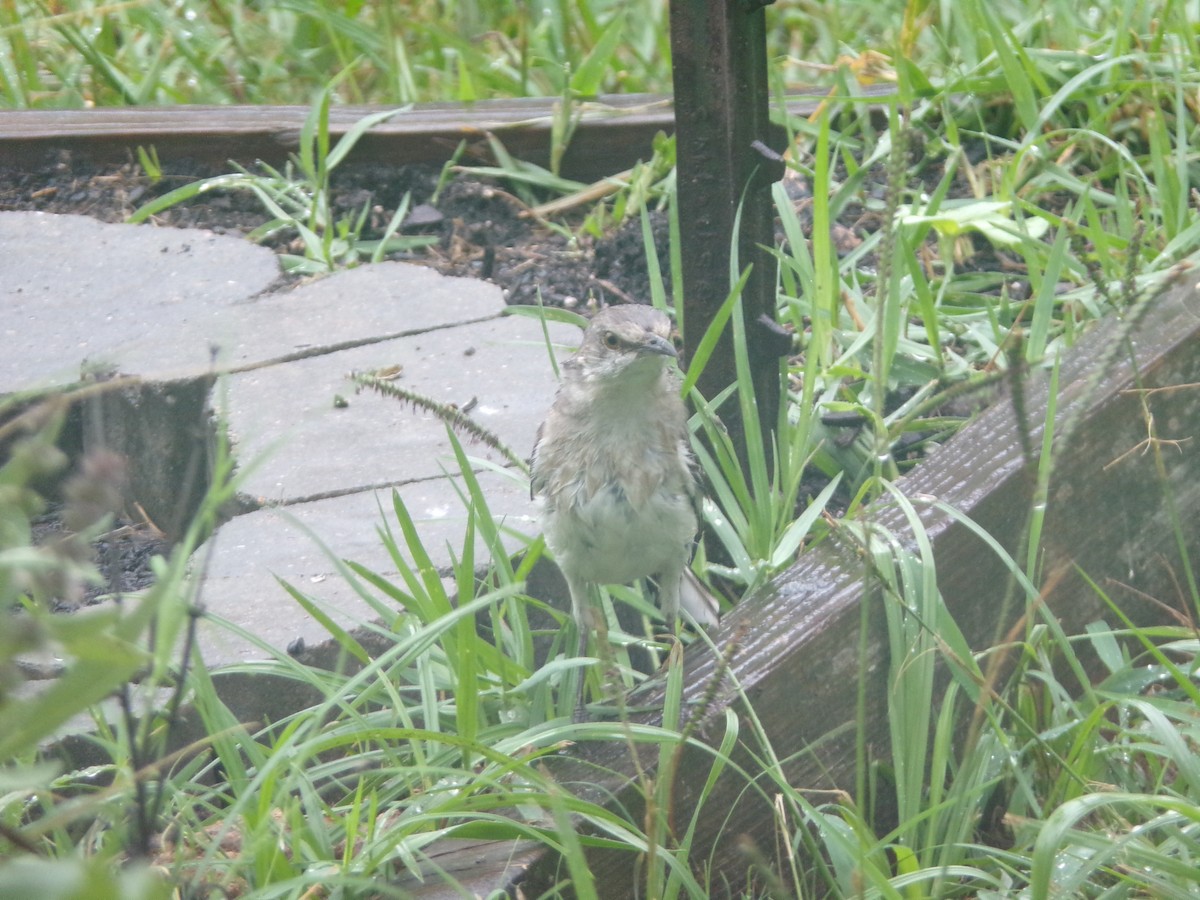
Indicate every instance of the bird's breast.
{"type": "Point", "coordinates": [622, 517]}
{"type": "Point", "coordinates": [608, 538]}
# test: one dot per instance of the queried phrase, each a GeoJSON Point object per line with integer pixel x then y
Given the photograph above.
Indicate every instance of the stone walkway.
{"type": "Point", "coordinates": [161, 304]}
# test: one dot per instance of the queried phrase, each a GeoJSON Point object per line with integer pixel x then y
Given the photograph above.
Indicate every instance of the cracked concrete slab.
{"type": "Point", "coordinates": [497, 370]}
{"type": "Point", "coordinates": [153, 302]}
{"type": "Point", "coordinates": [303, 543]}
{"type": "Point", "coordinates": [160, 303]}
{"type": "Point", "coordinates": [351, 307]}
{"type": "Point", "coordinates": [135, 298]}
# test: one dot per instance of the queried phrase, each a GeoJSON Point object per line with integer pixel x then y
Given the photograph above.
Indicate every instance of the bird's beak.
{"type": "Point", "coordinates": [658, 345]}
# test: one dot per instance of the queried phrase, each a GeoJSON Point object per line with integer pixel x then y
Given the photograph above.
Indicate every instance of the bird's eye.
{"type": "Point", "coordinates": [611, 341]}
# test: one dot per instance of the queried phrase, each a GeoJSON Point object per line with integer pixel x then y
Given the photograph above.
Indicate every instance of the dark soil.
{"type": "Point", "coordinates": [122, 555]}
{"type": "Point", "coordinates": [482, 230]}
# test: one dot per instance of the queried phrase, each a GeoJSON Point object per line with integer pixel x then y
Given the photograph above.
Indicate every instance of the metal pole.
{"type": "Point", "coordinates": [719, 62]}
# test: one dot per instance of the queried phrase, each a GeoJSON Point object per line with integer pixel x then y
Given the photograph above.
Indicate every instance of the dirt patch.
{"type": "Point", "coordinates": [122, 556]}
{"type": "Point", "coordinates": [481, 229]}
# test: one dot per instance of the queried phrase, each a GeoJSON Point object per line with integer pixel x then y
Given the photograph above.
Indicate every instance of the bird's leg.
{"type": "Point", "coordinates": [581, 612]}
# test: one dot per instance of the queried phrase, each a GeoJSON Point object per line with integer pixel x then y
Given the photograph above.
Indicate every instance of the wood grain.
{"type": "Point", "coordinates": [611, 133]}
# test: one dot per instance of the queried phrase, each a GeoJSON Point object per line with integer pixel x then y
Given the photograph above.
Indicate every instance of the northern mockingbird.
{"type": "Point", "coordinates": [613, 464]}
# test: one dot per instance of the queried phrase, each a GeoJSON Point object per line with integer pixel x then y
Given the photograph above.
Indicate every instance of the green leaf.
{"type": "Point", "coordinates": [25, 722]}
{"type": "Point", "coordinates": [347, 141]}
{"type": "Point", "coordinates": [992, 218]}
{"type": "Point", "coordinates": [79, 879]}
{"type": "Point", "coordinates": [588, 77]}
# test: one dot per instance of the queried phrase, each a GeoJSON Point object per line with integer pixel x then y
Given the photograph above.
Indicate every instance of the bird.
{"type": "Point", "coordinates": [613, 467]}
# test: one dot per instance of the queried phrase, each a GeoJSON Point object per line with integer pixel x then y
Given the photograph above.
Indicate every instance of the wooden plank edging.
{"type": "Point", "coordinates": [611, 134]}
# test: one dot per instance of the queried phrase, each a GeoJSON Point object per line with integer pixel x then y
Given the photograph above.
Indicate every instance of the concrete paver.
{"type": "Point", "coordinates": [354, 306]}
{"type": "Point", "coordinates": [152, 302]}
{"type": "Point", "coordinates": [496, 368]}
{"type": "Point", "coordinates": [301, 544]}
{"type": "Point", "coordinates": [74, 289]}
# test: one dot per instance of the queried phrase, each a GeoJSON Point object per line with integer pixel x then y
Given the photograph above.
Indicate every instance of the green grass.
{"type": "Point", "coordinates": [446, 734]}
{"type": "Point", "coordinates": [299, 199]}
{"type": "Point", "coordinates": [1035, 172]}
{"type": "Point", "coordinates": [130, 53]}
{"type": "Point", "coordinates": [148, 52]}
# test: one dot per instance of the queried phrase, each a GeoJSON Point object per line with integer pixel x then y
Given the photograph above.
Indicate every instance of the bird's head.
{"type": "Point", "coordinates": [628, 343]}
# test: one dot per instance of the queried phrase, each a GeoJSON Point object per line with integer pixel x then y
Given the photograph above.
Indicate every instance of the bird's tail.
{"type": "Point", "coordinates": [697, 600]}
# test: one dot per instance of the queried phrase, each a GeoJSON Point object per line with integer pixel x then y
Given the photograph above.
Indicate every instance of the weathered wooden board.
{"type": "Point", "coordinates": [612, 132]}
{"type": "Point", "coordinates": [798, 656]}
{"type": "Point", "coordinates": [426, 133]}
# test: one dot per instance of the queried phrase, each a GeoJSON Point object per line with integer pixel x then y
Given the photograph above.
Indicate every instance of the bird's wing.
{"type": "Point", "coordinates": [535, 482]}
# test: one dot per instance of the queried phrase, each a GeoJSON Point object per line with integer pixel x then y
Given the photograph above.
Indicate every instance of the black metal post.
{"type": "Point", "coordinates": [722, 127]}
